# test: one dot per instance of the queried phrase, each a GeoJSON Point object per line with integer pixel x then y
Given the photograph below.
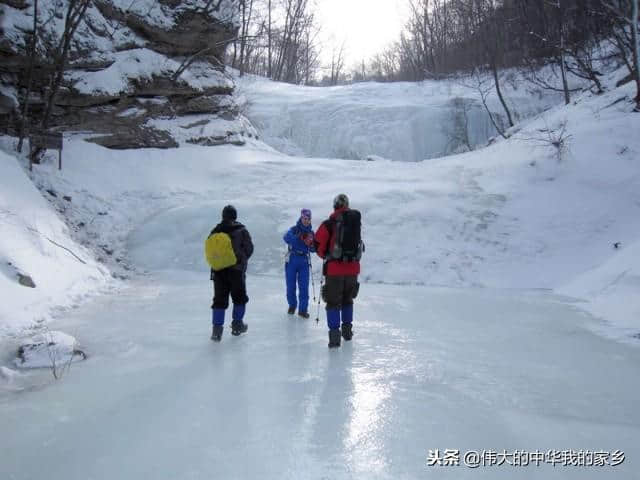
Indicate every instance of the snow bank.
{"type": "Point", "coordinates": [610, 291]}
{"type": "Point", "coordinates": [50, 349]}
{"type": "Point", "coordinates": [36, 243]}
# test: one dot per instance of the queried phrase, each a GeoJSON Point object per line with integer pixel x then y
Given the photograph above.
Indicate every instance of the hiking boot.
{"type": "Point", "coordinates": [347, 333]}
{"type": "Point", "coordinates": [303, 314]}
{"type": "Point", "coordinates": [334, 338]}
{"type": "Point", "coordinates": [291, 310]}
{"type": "Point", "coordinates": [216, 333]}
{"type": "Point", "coordinates": [238, 327]}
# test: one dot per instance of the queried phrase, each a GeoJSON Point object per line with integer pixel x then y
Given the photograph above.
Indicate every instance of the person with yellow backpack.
{"type": "Point", "coordinates": [228, 249]}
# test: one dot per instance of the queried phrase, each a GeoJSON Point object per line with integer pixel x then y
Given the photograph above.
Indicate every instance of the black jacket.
{"type": "Point", "coordinates": [240, 241]}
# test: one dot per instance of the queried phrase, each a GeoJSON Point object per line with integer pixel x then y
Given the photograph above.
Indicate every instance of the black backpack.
{"type": "Point", "coordinates": [347, 245]}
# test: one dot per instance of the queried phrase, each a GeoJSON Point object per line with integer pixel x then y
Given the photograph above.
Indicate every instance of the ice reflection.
{"type": "Point", "coordinates": [364, 441]}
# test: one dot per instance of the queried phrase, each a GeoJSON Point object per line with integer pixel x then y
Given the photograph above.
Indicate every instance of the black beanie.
{"type": "Point", "coordinates": [341, 201]}
{"type": "Point", "coordinates": [229, 213]}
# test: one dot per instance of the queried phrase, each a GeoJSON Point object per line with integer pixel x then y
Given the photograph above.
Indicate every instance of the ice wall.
{"type": "Point", "coordinates": [398, 121]}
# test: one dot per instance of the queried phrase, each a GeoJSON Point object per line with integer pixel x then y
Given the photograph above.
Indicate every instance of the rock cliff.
{"type": "Point", "coordinates": [133, 66]}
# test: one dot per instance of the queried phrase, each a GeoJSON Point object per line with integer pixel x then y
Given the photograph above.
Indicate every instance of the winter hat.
{"type": "Point", "coordinates": [305, 212]}
{"type": "Point", "coordinates": [341, 201]}
{"type": "Point", "coordinates": [229, 213]}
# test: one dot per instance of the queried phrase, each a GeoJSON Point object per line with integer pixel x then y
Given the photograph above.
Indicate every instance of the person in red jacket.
{"type": "Point", "coordinates": [341, 275]}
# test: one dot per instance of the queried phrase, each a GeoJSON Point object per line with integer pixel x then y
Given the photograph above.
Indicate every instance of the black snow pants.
{"type": "Point", "coordinates": [229, 281]}
{"type": "Point", "coordinates": [340, 290]}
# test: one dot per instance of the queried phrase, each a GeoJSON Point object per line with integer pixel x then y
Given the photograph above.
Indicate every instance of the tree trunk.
{"type": "Point", "coordinates": [563, 68]}
{"type": "Point", "coordinates": [243, 36]}
{"type": "Point", "coordinates": [635, 49]}
{"type": "Point", "coordinates": [75, 14]}
{"type": "Point", "coordinates": [565, 84]}
{"type": "Point", "coordinates": [32, 60]}
{"type": "Point", "coordinates": [269, 42]}
{"type": "Point", "coordinates": [496, 80]}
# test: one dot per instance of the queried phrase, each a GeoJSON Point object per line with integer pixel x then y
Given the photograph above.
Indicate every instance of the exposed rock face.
{"type": "Point", "coordinates": [192, 32]}
{"type": "Point", "coordinates": [132, 66]}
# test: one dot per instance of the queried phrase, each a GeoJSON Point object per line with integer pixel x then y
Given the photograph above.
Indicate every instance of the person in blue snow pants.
{"type": "Point", "coordinates": [299, 238]}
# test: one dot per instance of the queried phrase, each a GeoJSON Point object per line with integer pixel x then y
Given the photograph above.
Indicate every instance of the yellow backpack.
{"type": "Point", "coordinates": [219, 252]}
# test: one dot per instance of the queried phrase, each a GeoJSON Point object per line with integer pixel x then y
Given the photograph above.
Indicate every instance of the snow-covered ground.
{"type": "Point", "coordinates": [35, 242]}
{"type": "Point", "coordinates": [472, 330]}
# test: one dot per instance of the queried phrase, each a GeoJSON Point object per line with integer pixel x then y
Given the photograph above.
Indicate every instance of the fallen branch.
{"type": "Point", "coordinates": [34, 230]}
{"type": "Point", "coordinates": [58, 245]}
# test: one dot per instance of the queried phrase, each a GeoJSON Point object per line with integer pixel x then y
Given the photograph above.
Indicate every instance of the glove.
{"type": "Point", "coordinates": [307, 238]}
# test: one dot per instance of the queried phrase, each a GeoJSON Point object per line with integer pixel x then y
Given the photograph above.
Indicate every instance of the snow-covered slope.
{"type": "Point", "coordinates": [35, 242]}
{"type": "Point", "coordinates": [610, 292]}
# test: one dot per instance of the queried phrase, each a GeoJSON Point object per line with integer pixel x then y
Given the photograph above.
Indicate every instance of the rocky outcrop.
{"type": "Point", "coordinates": [121, 137]}
{"type": "Point", "coordinates": [194, 30]}
{"type": "Point", "coordinates": [219, 104]}
{"type": "Point", "coordinates": [132, 67]}
{"type": "Point", "coordinates": [21, 4]}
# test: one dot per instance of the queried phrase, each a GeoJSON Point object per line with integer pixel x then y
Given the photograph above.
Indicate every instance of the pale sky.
{"type": "Point", "coordinates": [368, 26]}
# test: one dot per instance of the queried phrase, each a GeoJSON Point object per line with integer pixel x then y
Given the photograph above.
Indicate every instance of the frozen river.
{"type": "Point", "coordinates": [429, 368]}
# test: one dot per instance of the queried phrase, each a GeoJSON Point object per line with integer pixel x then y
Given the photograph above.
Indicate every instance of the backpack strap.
{"type": "Point", "coordinates": [330, 225]}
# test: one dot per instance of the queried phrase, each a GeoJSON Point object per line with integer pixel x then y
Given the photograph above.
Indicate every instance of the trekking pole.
{"type": "Point", "coordinates": [313, 283]}
{"type": "Point", "coordinates": [319, 296]}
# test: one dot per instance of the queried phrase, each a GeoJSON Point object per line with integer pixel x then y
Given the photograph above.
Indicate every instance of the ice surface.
{"type": "Point", "coordinates": [401, 121]}
{"type": "Point", "coordinates": [428, 368]}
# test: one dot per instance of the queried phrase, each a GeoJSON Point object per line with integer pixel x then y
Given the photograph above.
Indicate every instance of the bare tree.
{"type": "Point", "coordinates": [636, 49]}
{"type": "Point", "coordinates": [24, 116]}
{"type": "Point", "coordinates": [560, 15]}
{"type": "Point", "coordinates": [311, 54]}
{"type": "Point", "coordinates": [571, 32]}
{"type": "Point", "coordinates": [76, 10]}
{"type": "Point", "coordinates": [188, 61]}
{"type": "Point", "coordinates": [556, 137]}
{"type": "Point", "coordinates": [337, 63]}
{"type": "Point", "coordinates": [246, 10]}
{"type": "Point", "coordinates": [269, 45]}
{"type": "Point", "coordinates": [481, 84]}
{"type": "Point", "coordinates": [490, 24]}
{"type": "Point", "coordinates": [625, 13]}
{"type": "Point", "coordinates": [278, 39]}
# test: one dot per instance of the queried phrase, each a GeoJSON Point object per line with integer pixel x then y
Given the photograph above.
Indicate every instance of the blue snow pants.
{"type": "Point", "coordinates": [297, 271]}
